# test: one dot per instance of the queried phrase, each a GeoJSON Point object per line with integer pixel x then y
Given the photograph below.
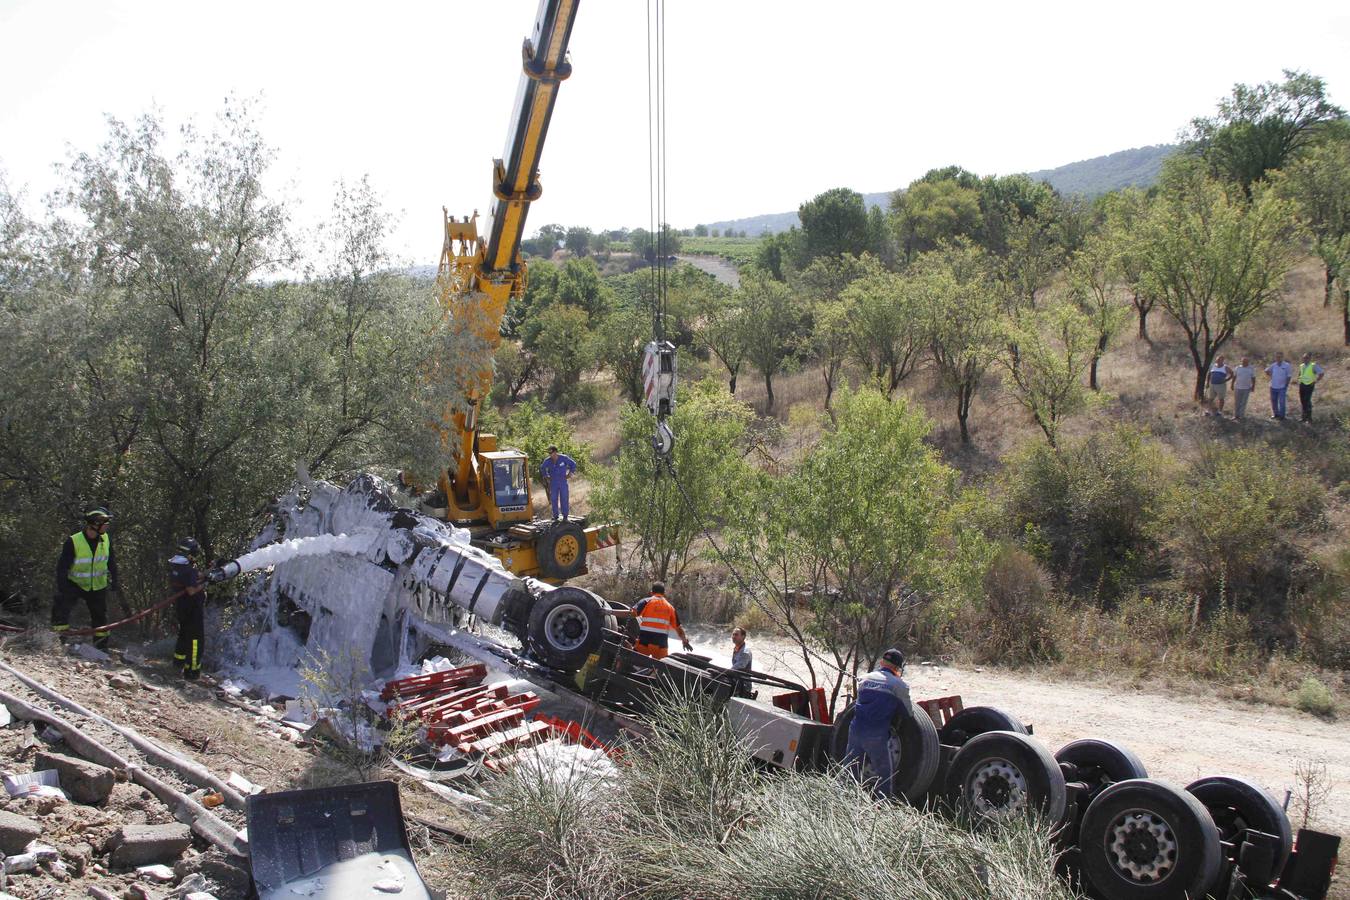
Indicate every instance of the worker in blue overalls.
{"type": "Point", "coordinates": [557, 469]}
{"type": "Point", "coordinates": [883, 697]}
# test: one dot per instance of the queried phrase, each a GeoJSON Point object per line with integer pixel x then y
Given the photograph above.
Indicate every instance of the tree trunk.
{"type": "Point", "coordinates": [1096, 358]}
{"type": "Point", "coordinates": [1345, 314]}
{"type": "Point", "coordinates": [768, 389]}
{"type": "Point", "coordinates": [731, 384]}
{"type": "Point", "coordinates": [1326, 297]}
{"type": "Point", "coordinates": [963, 397]}
{"type": "Point", "coordinates": [1200, 384]}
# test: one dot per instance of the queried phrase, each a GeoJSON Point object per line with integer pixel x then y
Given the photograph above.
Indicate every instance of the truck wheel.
{"type": "Point", "coordinates": [1147, 839]}
{"type": "Point", "coordinates": [977, 720]}
{"type": "Point", "coordinates": [915, 753]}
{"type": "Point", "coordinates": [1099, 763]}
{"type": "Point", "coordinates": [561, 550]}
{"type": "Point", "coordinates": [999, 775]}
{"type": "Point", "coordinates": [1236, 804]}
{"type": "Point", "coordinates": [566, 626]}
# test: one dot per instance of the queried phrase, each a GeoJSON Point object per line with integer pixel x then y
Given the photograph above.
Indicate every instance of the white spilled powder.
{"type": "Point", "coordinates": [562, 762]}
{"type": "Point", "coordinates": [318, 545]}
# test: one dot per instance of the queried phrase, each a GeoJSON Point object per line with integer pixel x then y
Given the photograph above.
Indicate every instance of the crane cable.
{"type": "Point", "coordinates": [658, 214]}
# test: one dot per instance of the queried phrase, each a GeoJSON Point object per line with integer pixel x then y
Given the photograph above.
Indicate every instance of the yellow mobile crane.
{"type": "Point", "coordinates": [488, 488]}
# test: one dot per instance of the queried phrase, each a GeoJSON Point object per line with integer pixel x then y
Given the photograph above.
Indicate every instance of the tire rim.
{"type": "Point", "coordinates": [566, 627]}
{"type": "Point", "coordinates": [1141, 846]}
{"type": "Point", "coordinates": [566, 550]}
{"type": "Point", "coordinates": [997, 789]}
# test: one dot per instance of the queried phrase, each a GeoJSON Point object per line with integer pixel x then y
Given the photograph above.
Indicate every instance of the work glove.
{"type": "Point", "coordinates": [688, 647]}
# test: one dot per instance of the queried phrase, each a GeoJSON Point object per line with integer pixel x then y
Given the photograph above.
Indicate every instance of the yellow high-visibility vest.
{"type": "Point", "coordinates": [90, 568]}
{"type": "Point", "coordinates": [1307, 373]}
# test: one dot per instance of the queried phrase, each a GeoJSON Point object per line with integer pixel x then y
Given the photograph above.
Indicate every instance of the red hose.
{"type": "Point", "coordinates": [87, 632]}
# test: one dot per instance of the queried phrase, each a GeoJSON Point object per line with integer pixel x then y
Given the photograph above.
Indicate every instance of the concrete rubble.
{"type": "Point", "coordinates": [83, 781]}
{"type": "Point", "coordinates": [17, 832]}
{"type": "Point", "coordinates": [139, 845]}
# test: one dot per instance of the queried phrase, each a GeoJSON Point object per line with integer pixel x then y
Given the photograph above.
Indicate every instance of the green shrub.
{"type": "Point", "coordinates": [1088, 509]}
{"type": "Point", "coordinates": [532, 429]}
{"type": "Point", "coordinates": [1015, 625]}
{"type": "Point", "coordinates": [1233, 521]}
{"type": "Point", "coordinates": [1314, 697]}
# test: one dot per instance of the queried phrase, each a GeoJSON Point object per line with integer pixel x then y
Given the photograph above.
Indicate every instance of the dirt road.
{"type": "Point", "coordinates": [1178, 738]}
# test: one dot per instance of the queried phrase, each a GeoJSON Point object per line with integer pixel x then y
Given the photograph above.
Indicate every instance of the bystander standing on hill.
{"type": "Point", "coordinates": [1244, 381]}
{"type": "Point", "coordinates": [1281, 373]}
{"type": "Point", "coordinates": [1309, 373]}
{"type": "Point", "coordinates": [1219, 376]}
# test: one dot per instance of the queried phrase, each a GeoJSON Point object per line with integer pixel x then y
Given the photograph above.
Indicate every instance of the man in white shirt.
{"type": "Point", "coordinates": [1244, 382]}
{"type": "Point", "coordinates": [1281, 373]}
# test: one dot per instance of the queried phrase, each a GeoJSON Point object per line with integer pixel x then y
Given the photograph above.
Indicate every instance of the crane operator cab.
{"type": "Point", "coordinates": [509, 486]}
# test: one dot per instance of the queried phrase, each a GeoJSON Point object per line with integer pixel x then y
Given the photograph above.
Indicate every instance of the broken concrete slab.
{"type": "Point", "coordinates": [16, 833]}
{"type": "Point", "coordinates": [224, 870]}
{"type": "Point", "coordinates": [83, 781]}
{"type": "Point", "coordinates": [158, 872]}
{"type": "Point", "coordinates": [141, 845]}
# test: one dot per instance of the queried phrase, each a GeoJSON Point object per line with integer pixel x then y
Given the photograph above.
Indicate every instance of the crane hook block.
{"type": "Point", "coordinates": [658, 378]}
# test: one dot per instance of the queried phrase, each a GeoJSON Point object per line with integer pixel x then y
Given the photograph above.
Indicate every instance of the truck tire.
{"type": "Point", "coordinates": [1236, 804]}
{"type": "Point", "coordinates": [566, 626]}
{"type": "Point", "coordinates": [999, 775]}
{"type": "Point", "coordinates": [915, 752]}
{"type": "Point", "coordinates": [1144, 839]}
{"type": "Point", "coordinates": [1099, 763]}
{"type": "Point", "coordinates": [976, 720]}
{"type": "Point", "coordinates": [561, 550]}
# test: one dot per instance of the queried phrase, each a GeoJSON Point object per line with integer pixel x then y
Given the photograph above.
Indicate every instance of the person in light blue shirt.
{"type": "Point", "coordinates": [1281, 373]}
{"type": "Point", "coordinates": [557, 469]}
{"type": "Point", "coordinates": [882, 697]}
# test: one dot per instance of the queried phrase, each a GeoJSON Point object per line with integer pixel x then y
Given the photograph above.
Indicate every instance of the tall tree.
{"type": "Point", "coordinates": [1125, 212]}
{"type": "Point", "coordinates": [886, 334]}
{"type": "Point", "coordinates": [1319, 182]}
{"type": "Point", "coordinates": [1212, 260]}
{"type": "Point", "coordinates": [1261, 128]}
{"type": "Point", "coordinates": [1093, 271]}
{"type": "Point", "coordinates": [834, 222]}
{"type": "Point", "coordinates": [578, 240]}
{"type": "Point", "coordinates": [929, 212]}
{"type": "Point", "coordinates": [1055, 346]}
{"type": "Point", "coordinates": [961, 320]}
{"type": "Point", "coordinates": [823, 283]}
{"type": "Point", "coordinates": [710, 427]}
{"type": "Point", "coordinates": [774, 326]}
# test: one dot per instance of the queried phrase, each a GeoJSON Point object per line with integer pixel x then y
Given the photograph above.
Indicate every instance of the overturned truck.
{"type": "Point", "coordinates": [395, 583]}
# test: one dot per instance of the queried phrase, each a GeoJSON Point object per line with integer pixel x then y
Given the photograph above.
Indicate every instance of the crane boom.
{"type": "Point", "coordinates": [487, 488]}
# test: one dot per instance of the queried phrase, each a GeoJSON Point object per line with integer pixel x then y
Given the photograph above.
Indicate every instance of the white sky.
{"type": "Point", "coordinates": [769, 101]}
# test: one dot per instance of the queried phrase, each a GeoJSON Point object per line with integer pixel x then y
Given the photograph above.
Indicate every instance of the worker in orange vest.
{"type": "Point", "coordinates": [657, 622]}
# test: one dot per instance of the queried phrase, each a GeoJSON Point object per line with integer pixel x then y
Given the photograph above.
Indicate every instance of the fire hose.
{"type": "Point", "coordinates": [87, 632]}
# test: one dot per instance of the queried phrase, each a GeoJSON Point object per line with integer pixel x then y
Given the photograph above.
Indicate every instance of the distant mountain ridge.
{"type": "Point", "coordinates": [1137, 167]}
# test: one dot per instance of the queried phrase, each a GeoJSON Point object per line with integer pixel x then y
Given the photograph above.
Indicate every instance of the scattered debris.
{"type": "Point", "coordinates": [242, 784]}
{"type": "Point", "coordinates": [35, 784]}
{"type": "Point", "coordinates": [17, 832]}
{"type": "Point", "coordinates": [139, 845]}
{"type": "Point", "coordinates": [83, 781]}
{"type": "Point", "coordinates": [90, 653]}
{"type": "Point", "coordinates": [158, 872]}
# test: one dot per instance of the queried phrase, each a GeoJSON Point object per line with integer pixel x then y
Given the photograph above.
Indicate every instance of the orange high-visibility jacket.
{"type": "Point", "coordinates": [657, 624]}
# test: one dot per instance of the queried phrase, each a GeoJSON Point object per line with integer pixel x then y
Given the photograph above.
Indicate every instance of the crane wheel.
{"type": "Point", "coordinates": [1147, 839]}
{"type": "Point", "coordinates": [561, 551]}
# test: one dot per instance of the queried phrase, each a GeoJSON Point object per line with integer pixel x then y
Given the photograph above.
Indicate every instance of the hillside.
{"type": "Point", "coordinates": [1137, 167]}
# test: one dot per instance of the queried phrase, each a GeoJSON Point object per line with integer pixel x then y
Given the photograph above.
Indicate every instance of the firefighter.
{"type": "Point", "coordinates": [882, 697]}
{"type": "Point", "coordinates": [657, 621]}
{"type": "Point", "coordinates": [186, 576]}
{"type": "Point", "coordinates": [86, 570]}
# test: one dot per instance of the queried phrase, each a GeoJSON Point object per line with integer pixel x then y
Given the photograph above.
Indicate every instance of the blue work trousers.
{"type": "Point", "coordinates": [1277, 399]}
{"type": "Point", "coordinates": [557, 497]}
{"type": "Point", "coordinates": [877, 752]}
